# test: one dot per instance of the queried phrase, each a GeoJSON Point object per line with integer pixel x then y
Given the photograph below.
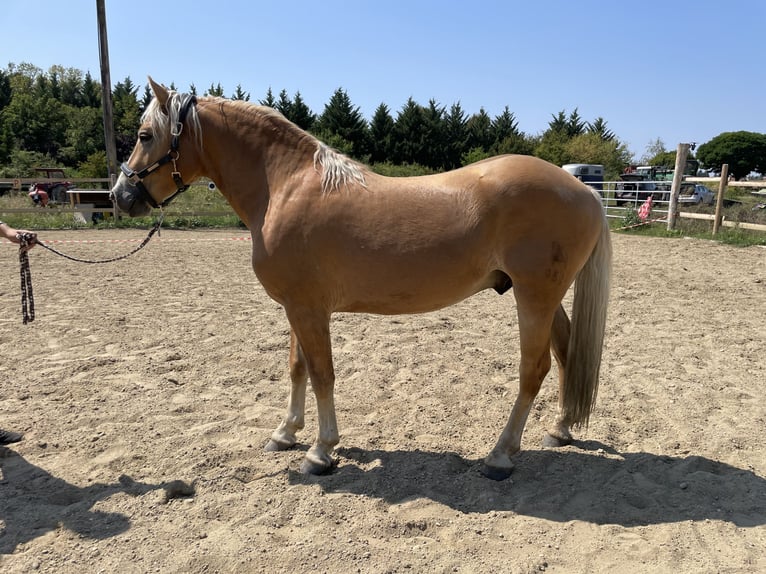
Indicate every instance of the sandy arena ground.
{"type": "Point", "coordinates": [147, 389]}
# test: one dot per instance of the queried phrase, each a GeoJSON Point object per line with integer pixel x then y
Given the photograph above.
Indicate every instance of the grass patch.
{"type": "Point", "coordinates": [700, 230]}
{"type": "Point", "coordinates": [748, 209]}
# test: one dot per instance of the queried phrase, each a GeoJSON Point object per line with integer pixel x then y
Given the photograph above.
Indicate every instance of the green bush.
{"type": "Point", "coordinates": [631, 217]}
{"type": "Point", "coordinates": [400, 170]}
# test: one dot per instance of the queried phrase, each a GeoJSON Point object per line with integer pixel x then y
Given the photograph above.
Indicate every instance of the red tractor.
{"type": "Point", "coordinates": [53, 189]}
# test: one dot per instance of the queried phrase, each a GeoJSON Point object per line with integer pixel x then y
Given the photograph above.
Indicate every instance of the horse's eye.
{"type": "Point", "coordinates": [145, 137]}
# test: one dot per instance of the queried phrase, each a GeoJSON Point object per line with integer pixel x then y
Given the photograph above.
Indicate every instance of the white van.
{"type": "Point", "coordinates": [590, 173]}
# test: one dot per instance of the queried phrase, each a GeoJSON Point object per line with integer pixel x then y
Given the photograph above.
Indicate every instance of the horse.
{"type": "Point", "coordinates": [330, 235]}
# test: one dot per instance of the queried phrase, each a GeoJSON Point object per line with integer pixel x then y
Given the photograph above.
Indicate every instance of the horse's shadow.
{"type": "Point", "coordinates": [34, 502]}
{"type": "Point", "coordinates": [588, 482]}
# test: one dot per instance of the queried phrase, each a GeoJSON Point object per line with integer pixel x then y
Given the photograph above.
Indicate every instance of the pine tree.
{"type": "Point", "coordinates": [284, 104]}
{"type": "Point", "coordinates": [480, 131]}
{"type": "Point", "coordinates": [434, 153]}
{"type": "Point", "coordinates": [504, 126]}
{"type": "Point", "coordinates": [559, 123]}
{"type": "Point", "coordinates": [91, 92]}
{"type": "Point", "coordinates": [341, 118]}
{"type": "Point", "coordinates": [146, 99]}
{"type": "Point", "coordinates": [240, 94]}
{"type": "Point", "coordinates": [127, 116]}
{"type": "Point", "coordinates": [215, 90]}
{"type": "Point", "coordinates": [5, 90]}
{"type": "Point", "coordinates": [598, 126]}
{"type": "Point", "coordinates": [408, 142]}
{"type": "Point", "coordinates": [71, 87]}
{"type": "Point", "coordinates": [269, 100]}
{"type": "Point", "coordinates": [575, 124]}
{"type": "Point", "coordinates": [381, 133]}
{"type": "Point", "coordinates": [456, 136]}
{"type": "Point", "coordinates": [508, 137]}
{"type": "Point", "coordinates": [300, 114]}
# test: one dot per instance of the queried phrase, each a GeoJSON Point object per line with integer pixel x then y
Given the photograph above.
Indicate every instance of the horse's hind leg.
{"type": "Point", "coordinates": [535, 320]}
{"type": "Point", "coordinates": [559, 434]}
{"type": "Point", "coordinates": [284, 435]}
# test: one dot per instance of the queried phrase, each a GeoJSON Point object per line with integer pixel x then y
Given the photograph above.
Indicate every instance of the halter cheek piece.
{"type": "Point", "coordinates": [137, 177]}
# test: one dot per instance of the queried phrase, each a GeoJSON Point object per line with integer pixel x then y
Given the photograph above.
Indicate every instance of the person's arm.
{"type": "Point", "coordinates": [12, 234]}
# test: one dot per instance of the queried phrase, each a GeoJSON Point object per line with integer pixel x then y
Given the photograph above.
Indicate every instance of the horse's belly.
{"type": "Point", "coordinates": [412, 292]}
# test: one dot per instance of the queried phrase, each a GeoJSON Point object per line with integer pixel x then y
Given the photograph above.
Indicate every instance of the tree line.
{"type": "Point", "coordinates": [54, 118]}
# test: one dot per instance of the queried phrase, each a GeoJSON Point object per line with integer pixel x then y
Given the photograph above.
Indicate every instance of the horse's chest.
{"type": "Point", "coordinates": [279, 273]}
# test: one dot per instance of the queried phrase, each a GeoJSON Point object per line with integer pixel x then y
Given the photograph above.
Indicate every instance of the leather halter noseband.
{"type": "Point", "coordinates": [137, 177]}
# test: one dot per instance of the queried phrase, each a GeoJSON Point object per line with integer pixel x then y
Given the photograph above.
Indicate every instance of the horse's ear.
{"type": "Point", "coordinates": [160, 92]}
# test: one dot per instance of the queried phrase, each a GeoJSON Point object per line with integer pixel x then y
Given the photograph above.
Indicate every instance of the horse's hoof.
{"type": "Point", "coordinates": [496, 472]}
{"type": "Point", "coordinates": [275, 446]}
{"type": "Point", "coordinates": [316, 467]}
{"type": "Point", "coordinates": [552, 441]}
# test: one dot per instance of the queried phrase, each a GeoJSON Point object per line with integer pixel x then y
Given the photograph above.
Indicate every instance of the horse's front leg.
{"type": "Point", "coordinates": [284, 435]}
{"type": "Point", "coordinates": [312, 329]}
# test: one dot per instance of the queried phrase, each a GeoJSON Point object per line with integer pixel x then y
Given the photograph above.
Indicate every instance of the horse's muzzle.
{"type": "Point", "coordinates": [128, 198]}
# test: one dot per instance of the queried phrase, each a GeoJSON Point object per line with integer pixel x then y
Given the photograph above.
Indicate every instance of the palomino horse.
{"type": "Point", "coordinates": [329, 235]}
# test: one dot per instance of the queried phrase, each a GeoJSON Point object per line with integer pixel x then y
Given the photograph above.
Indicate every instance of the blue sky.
{"type": "Point", "coordinates": [680, 71]}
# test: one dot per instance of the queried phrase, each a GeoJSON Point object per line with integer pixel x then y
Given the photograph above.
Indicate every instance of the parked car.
{"type": "Point", "coordinates": [696, 194]}
{"type": "Point", "coordinates": [634, 187]}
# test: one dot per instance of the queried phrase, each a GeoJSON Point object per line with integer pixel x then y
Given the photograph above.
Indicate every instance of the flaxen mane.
{"type": "Point", "coordinates": [161, 119]}
{"type": "Point", "coordinates": [337, 169]}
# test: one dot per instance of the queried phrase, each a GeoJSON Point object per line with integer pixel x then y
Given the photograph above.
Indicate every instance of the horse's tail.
{"type": "Point", "coordinates": [586, 337]}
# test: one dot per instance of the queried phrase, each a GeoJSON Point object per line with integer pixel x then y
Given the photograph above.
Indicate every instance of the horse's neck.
{"type": "Point", "coordinates": [249, 159]}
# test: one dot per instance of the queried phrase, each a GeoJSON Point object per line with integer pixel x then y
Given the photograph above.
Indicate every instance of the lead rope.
{"type": "Point", "coordinates": [27, 298]}
{"type": "Point", "coordinates": [26, 240]}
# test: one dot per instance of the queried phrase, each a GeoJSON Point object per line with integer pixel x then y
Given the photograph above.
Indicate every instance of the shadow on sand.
{"type": "Point", "coordinates": [587, 481]}
{"type": "Point", "coordinates": [34, 502]}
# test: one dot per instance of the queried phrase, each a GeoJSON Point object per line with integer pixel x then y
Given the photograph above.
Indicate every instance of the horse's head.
{"type": "Point", "coordinates": [152, 175]}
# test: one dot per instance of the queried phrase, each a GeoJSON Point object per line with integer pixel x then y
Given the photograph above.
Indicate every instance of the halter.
{"type": "Point", "coordinates": [137, 177]}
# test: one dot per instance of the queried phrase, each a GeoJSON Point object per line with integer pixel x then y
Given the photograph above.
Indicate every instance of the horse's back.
{"type": "Point", "coordinates": [528, 196]}
{"type": "Point", "coordinates": [528, 178]}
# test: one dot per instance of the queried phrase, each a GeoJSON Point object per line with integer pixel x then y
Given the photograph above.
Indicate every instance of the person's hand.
{"type": "Point", "coordinates": [15, 235]}
{"type": "Point", "coordinates": [30, 236]}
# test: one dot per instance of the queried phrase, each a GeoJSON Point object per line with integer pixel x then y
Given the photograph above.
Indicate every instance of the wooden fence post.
{"type": "Point", "coordinates": [719, 201]}
{"type": "Point", "coordinates": [106, 90]}
{"type": "Point", "coordinates": [678, 175]}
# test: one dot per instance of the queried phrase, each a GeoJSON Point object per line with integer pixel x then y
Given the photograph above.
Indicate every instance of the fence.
{"type": "Point", "coordinates": [620, 197]}
{"type": "Point", "coordinates": [89, 199]}
{"type": "Point", "coordinates": [90, 196]}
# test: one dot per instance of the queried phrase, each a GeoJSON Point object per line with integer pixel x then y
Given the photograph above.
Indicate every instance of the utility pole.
{"type": "Point", "coordinates": [106, 92]}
